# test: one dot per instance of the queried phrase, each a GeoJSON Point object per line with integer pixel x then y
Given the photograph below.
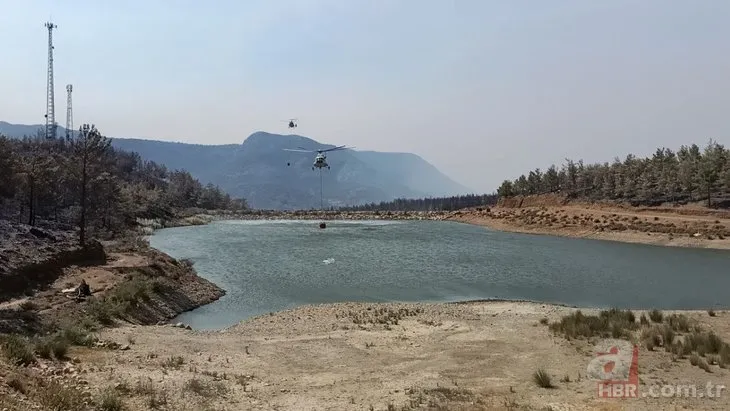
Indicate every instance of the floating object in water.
{"type": "Point", "coordinates": [329, 261]}
{"type": "Point", "coordinates": [322, 225]}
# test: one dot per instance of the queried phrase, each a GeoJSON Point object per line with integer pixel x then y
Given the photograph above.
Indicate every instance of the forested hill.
{"type": "Point", "coordinates": [87, 183]}
{"type": "Point", "coordinates": [269, 177]}
{"type": "Point", "coordinates": [429, 204]}
{"type": "Point", "coordinates": [689, 174]}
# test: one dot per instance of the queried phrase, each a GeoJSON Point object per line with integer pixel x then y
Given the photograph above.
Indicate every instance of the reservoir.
{"type": "Point", "coordinates": [267, 266]}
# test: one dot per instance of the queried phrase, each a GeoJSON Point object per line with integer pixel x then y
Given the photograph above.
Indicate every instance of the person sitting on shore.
{"type": "Point", "coordinates": [83, 290]}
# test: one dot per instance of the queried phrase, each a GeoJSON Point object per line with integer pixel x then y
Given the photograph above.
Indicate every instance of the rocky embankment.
{"type": "Point", "coordinates": [128, 280]}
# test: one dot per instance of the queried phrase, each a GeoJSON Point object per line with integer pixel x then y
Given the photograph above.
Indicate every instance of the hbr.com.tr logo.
{"type": "Point", "coordinates": [616, 367]}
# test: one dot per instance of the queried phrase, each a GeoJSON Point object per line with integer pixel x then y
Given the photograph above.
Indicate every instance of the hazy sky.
{"type": "Point", "coordinates": [484, 90]}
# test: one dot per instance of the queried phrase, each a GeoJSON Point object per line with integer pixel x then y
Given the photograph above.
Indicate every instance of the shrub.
{"type": "Point", "coordinates": [28, 306]}
{"type": "Point", "coordinates": [17, 350]}
{"type": "Point", "coordinates": [679, 322]}
{"type": "Point", "coordinates": [59, 346]}
{"type": "Point", "coordinates": [44, 348]}
{"type": "Point", "coordinates": [58, 397]}
{"type": "Point", "coordinates": [75, 335]}
{"type": "Point", "coordinates": [110, 401]}
{"type": "Point", "coordinates": [609, 323]}
{"type": "Point", "coordinates": [542, 379]}
{"type": "Point", "coordinates": [656, 316]}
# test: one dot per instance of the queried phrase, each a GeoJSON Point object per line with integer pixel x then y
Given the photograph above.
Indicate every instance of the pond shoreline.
{"type": "Point", "coordinates": [626, 225]}
{"type": "Point", "coordinates": [672, 227]}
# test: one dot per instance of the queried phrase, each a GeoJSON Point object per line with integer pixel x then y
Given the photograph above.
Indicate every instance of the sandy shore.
{"type": "Point", "coordinates": [475, 356]}
{"type": "Point", "coordinates": [666, 227]}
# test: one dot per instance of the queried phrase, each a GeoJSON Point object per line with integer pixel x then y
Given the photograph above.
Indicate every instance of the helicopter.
{"type": "Point", "coordinates": [320, 161]}
{"type": "Point", "coordinates": [292, 123]}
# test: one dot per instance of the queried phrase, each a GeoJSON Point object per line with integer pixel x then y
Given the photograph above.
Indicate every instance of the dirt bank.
{"type": "Point", "coordinates": [667, 226]}
{"type": "Point", "coordinates": [33, 257]}
{"type": "Point", "coordinates": [143, 287]}
{"type": "Point", "coordinates": [477, 356]}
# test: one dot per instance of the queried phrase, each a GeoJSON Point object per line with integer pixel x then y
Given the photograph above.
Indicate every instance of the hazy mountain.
{"type": "Point", "coordinates": [258, 171]}
{"type": "Point", "coordinates": [20, 130]}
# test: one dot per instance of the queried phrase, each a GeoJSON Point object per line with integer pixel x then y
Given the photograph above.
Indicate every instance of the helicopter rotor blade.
{"type": "Point", "coordinates": [335, 148]}
{"type": "Point", "coordinates": [299, 151]}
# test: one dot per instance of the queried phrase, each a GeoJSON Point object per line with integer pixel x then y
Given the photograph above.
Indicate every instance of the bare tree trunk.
{"type": "Point", "coordinates": [709, 196]}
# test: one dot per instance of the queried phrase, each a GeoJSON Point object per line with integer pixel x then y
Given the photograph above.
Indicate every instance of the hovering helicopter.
{"type": "Point", "coordinates": [292, 123]}
{"type": "Point", "coordinates": [320, 161]}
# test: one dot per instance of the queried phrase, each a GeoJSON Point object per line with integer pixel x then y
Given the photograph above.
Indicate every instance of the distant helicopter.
{"type": "Point", "coordinates": [292, 123]}
{"type": "Point", "coordinates": [320, 161]}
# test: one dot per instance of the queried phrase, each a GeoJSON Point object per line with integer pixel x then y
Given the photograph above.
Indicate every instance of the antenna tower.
{"type": "Point", "coordinates": [69, 112]}
{"type": "Point", "coordinates": [50, 104]}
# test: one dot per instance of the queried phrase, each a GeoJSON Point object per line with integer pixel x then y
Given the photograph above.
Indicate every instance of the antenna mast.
{"type": "Point", "coordinates": [69, 112]}
{"type": "Point", "coordinates": [50, 104]}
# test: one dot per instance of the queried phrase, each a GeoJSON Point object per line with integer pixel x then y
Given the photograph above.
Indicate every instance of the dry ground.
{"type": "Point", "coordinates": [683, 227]}
{"type": "Point", "coordinates": [99, 278]}
{"type": "Point", "coordinates": [352, 356]}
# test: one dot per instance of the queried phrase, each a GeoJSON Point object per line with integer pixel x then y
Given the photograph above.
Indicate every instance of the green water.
{"type": "Point", "coordinates": [266, 266]}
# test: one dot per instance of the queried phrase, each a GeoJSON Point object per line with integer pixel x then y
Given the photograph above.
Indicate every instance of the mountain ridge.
{"type": "Point", "coordinates": [257, 169]}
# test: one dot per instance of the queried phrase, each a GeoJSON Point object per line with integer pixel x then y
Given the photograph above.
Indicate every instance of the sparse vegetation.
{"type": "Point", "coordinates": [110, 401]}
{"type": "Point", "coordinates": [675, 333]}
{"type": "Point", "coordinates": [43, 348]}
{"type": "Point", "coordinates": [205, 389]}
{"type": "Point", "coordinates": [175, 362]}
{"type": "Point", "coordinates": [383, 316]}
{"type": "Point", "coordinates": [656, 316]}
{"type": "Point", "coordinates": [28, 306]}
{"type": "Point", "coordinates": [18, 385]}
{"type": "Point", "coordinates": [17, 349]}
{"type": "Point", "coordinates": [609, 323]}
{"type": "Point", "coordinates": [123, 298]}
{"type": "Point", "coordinates": [56, 396]}
{"type": "Point", "coordinates": [679, 322]}
{"type": "Point", "coordinates": [59, 348]}
{"type": "Point", "coordinates": [542, 379]}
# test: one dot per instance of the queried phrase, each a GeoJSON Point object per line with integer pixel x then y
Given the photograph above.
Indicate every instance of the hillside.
{"type": "Point", "coordinates": [258, 171]}
{"type": "Point", "coordinates": [690, 174]}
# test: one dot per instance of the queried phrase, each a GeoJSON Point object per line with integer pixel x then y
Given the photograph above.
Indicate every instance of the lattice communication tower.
{"type": "Point", "coordinates": [50, 104]}
{"type": "Point", "coordinates": [69, 112]}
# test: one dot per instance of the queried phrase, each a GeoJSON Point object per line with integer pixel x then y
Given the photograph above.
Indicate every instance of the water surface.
{"type": "Point", "coordinates": [267, 266]}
